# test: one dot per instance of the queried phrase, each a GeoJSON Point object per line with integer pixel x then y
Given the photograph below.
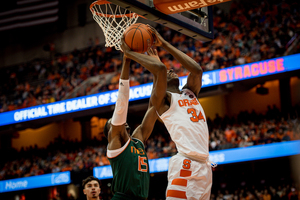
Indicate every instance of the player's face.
{"type": "Point", "coordinates": [171, 75]}
{"type": "Point", "coordinates": [92, 190]}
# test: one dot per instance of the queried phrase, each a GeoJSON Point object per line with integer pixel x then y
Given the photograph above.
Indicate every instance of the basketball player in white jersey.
{"type": "Point", "coordinates": [189, 174]}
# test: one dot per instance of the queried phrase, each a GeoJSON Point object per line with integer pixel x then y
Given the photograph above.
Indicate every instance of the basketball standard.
{"type": "Point", "coordinates": [197, 24]}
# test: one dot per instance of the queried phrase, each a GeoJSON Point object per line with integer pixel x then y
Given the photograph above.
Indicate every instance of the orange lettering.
{"type": "Point", "coordinates": [223, 76]}
{"type": "Point", "coordinates": [263, 67]}
{"type": "Point", "coordinates": [180, 103]}
{"type": "Point", "coordinates": [133, 149]}
{"type": "Point", "coordinates": [271, 64]}
{"type": "Point", "coordinates": [141, 151]}
{"type": "Point", "coordinates": [186, 164]}
{"type": "Point", "coordinates": [254, 69]}
{"type": "Point", "coordinates": [194, 101]}
{"type": "Point", "coordinates": [230, 73]}
{"type": "Point", "coordinates": [279, 63]}
{"type": "Point", "coordinates": [238, 72]}
{"type": "Point", "coordinates": [186, 102]}
{"type": "Point", "coordinates": [247, 71]}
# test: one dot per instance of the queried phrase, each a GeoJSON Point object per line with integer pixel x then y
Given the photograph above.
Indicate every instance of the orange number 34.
{"type": "Point", "coordinates": [195, 117]}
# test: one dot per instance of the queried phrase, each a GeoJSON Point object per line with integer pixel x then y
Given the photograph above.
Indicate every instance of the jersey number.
{"type": "Point", "coordinates": [195, 117]}
{"type": "Point", "coordinates": [143, 163]}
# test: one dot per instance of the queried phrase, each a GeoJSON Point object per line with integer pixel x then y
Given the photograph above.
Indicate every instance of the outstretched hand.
{"type": "Point", "coordinates": [153, 53]}
{"type": "Point", "coordinates": [124, 47]}
{"type": "Point", "coordinates": [158, 39]}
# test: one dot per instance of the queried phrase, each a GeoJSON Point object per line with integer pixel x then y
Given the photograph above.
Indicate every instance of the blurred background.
{"type": "Point", "coordinates": [53, 60]}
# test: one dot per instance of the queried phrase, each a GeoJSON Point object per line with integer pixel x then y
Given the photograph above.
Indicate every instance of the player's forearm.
{"type": "Point", "coordinates": [187, 62]}
{"type": "Point", "coordinates": [125, 68]}
{"type": "Point", "coordinates": [121, 107]}
{"type": "Point", "coordinates": [150, 63]}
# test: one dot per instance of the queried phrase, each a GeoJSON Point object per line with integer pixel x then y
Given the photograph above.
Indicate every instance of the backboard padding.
{"type": "Point", "coordinates": [178, 22]}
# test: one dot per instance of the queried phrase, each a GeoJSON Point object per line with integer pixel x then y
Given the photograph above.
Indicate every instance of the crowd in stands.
{"type": "Point", "coordinates": [286, 192]}
{"type": "Point", "coordinates": [253, 129]}
{"type": "Point", "coordinates": [248, 33]}
{"type": "Point", "coordinates": [247, 129]}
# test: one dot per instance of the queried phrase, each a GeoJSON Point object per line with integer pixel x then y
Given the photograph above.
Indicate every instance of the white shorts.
{"type": "Point", "coordinates": [188, 179]}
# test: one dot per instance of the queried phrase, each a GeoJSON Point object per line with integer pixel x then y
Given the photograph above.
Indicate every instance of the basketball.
{"type": "Point", "coordinates": [138, 37]}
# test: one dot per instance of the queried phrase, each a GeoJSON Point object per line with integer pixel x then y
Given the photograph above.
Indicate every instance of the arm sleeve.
{"type": "Point", "coordinates": [121, 108]}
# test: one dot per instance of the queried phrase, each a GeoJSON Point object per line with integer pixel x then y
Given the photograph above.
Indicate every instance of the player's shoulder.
{"type": "Point", "coordinates": [188, 91]}
{"type": "Point", "coordinates": [168, 96]}
{"type": "Point", "coordinates": [137, 141]}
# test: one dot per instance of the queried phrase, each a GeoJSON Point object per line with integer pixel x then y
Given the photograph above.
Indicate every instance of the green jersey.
{"type": "Point", "coordinates": [131, 171]}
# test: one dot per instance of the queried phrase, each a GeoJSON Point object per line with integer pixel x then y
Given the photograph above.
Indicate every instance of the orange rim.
{"type": "Point", "coordinates": [102, 2]}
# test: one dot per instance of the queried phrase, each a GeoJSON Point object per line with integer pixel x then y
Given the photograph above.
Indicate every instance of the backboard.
{"type": "Point", "coordinates": [197, 24]}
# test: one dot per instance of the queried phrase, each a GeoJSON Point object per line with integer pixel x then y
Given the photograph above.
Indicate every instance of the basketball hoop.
{"type": "Point", "coordinates": [113, 21]}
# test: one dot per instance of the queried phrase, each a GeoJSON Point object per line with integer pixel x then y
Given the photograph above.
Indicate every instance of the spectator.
{"type": "Point", "coordinates": [251, 33]}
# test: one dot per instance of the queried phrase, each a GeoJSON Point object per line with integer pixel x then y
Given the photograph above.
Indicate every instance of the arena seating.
{"type": "Point", "coordinates": [242, 36]}
{"type": "Point", "coordinates": [62, 155]}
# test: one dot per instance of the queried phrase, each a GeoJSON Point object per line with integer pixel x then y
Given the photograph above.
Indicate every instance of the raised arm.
{"type": "Point", "coordinates": [118, 135]}
{"type": "Point", "coordinates": [152, 63]}
{"type": "Point", "coordinates": [194, 81]}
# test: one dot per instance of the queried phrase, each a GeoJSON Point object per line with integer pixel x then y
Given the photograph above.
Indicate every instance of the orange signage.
{"type": "Point", "coordinates": [171, 6]}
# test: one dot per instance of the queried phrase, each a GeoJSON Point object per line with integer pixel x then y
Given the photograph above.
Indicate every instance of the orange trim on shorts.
{"type": "Point", "coordinates": [185, 173]}
{"type": "Point", "coordinates": [176, 194]}
{"type": "Point", "coordinates": [179, 181]}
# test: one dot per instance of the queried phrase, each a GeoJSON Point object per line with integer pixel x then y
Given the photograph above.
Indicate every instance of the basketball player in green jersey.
{"type": "Point", "coordinates": [91, 188]}
{"type": "Point", "coordinates": [126, 153]}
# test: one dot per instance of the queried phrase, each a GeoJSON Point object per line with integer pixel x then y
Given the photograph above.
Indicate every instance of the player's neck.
{"type": "Point", "coordinates": [95, 198]}
{"type": "Point", "coordinates": [173, 89]}
{"type": "Point", "coordinates": [173, 86]}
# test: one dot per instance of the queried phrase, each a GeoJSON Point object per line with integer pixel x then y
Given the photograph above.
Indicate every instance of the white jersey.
{"type": "Point", "coordinates": [186, 123]}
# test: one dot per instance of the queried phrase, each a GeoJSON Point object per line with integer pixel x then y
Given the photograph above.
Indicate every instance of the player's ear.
{"type": "Point", "coordinates": [84, 192]}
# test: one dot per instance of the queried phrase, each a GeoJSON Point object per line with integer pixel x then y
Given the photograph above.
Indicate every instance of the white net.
{"type": "Point", "coordinates": [113, 21]}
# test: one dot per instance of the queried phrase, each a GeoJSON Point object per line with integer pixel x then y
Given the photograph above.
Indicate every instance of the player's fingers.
{"type": "Point", "coordinates": [149, 26]}
{"type": "Point", "coordinates": [122, 47]}
{"type": "Point", "coordinates": [152, 29]}
{"type": "Point", "coordinates": [155, 52]}
{"type": "Point", "coordinates": [150, 51]}
{"type": "Point", "coordinates": [122, 38]}
{"type": "Point", "coordinates": [149, 43]}
{"type": "Point", "coordinates": [123, 43]}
